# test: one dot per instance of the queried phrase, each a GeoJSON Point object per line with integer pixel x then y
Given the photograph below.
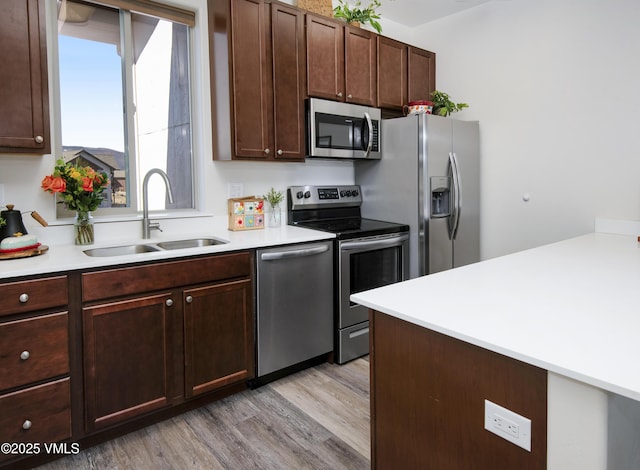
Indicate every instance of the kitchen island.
{"type": "Point", "coordinates": [569, 309]}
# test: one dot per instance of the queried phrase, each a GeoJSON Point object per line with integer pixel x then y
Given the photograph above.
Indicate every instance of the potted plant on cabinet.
{"type": "Point", "coordinates": [357, 14]}
{"type": "Point", "coordinates": [443, 106]}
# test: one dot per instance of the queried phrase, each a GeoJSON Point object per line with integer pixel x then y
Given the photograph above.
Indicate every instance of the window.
{"type": "Point", "coordinates": [125, 101]}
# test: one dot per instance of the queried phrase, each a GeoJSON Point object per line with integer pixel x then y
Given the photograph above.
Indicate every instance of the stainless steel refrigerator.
{"type": "Point", "coordinates": [429, 178]}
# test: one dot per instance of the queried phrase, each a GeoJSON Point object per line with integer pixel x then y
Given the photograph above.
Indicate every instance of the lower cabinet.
{"type": "Point", "coordinates": [153, 349]}
{"type": "Point", "coordinates": [217, 326]}
{"type": "Point", "coordinates": [127, 358]}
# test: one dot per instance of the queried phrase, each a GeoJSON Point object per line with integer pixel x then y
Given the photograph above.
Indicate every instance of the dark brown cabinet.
{"type": "Point", "coordinates": [392, 73]}
{"type": "Point", "coordinates": [341, 61]}
{"type": "Point", "coordinates": [421, 74]}
{"type": "Point", "coordinates": [23, 78]}
{"type": "Point", "coordinates": [127, 358]}
{"type": "Point", "coordinates": [35, 397]}
{"type": "Point", "coordinates": [158, 334]}
{"type": "Point", "coordinates": [268, 83]}
{"type": "Point", "coordinates": [405, 73]}
{"type": "Point", "coordinates": [217, 331]}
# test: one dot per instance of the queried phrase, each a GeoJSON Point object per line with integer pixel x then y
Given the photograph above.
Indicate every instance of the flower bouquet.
{"type": "Point", "coordinates": [80, 189]}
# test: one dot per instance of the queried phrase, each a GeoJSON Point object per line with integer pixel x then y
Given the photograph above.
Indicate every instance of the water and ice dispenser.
{"type": "Point", "coordinates": [440, 194]}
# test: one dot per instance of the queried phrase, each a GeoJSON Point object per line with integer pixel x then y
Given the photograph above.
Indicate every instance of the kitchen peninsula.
{"type": "Point", "coordinates": [550, 333]}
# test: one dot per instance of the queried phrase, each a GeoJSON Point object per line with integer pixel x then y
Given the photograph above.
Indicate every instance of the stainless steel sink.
{"type": "Point", "coordinates": [154, 247]}
{"type": "Point", "coordinates": [190, 243]}
{"type": "Point", "coordinates": [121, 250]}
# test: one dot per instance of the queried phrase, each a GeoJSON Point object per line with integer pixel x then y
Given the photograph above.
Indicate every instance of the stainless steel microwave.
{"type": "Point", "coordinates": [342, 130]}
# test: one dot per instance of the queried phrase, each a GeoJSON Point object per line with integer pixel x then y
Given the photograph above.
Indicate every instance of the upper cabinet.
{"type": "Point", "coordinates": [421, 74]}
{"type": "Point", "coordinates": [405, 73]}
{"type": "Point", "coordinates": [267, 78]}
{"type": "Point", "coordinates": [23, 78]}
{"type": "Point", "coordinates": [341, 61]}
{"type": "Point", "coordinates": [392, 73]}
{"type": "Point", "coordinates": [267, 57]}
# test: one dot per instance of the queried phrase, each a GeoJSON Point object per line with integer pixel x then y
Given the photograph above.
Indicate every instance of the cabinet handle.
{"type": "Point", "coordinates": [169, 302]}
{"type": "Point", "coordinates": [280, 152]}
{"type": "Point", "coordinates": [39, 139]}
{"type": "Point", "coordinates": [266, 151]}
{"type": "Point", "coordinates": [339, 94]}
{"type": "Point", "coordinates": [188, 299]}
{"type": "Point", "coordinates": [24, 355]}
{"type": "Point", "coordinates": [26, 425]}
{"type": "Point", "coordinates": [349, 96]}
{"type": "Point", "coordinates": [24, 298]}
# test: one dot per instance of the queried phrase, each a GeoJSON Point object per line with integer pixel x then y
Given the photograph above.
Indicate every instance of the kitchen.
{"type": "Point", "coordinates": [553, 66]}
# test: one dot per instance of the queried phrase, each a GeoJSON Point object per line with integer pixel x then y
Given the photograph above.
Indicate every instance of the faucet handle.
{"type": "Point", "coordinates": [154, 226]}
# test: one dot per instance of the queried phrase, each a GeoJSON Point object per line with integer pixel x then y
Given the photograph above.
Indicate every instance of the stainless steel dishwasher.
{"type": "Point", "coordinates": [294, 305]}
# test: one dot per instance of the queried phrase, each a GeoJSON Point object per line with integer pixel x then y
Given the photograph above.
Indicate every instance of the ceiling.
{"type": "Point", "coordinates": [416, 12]}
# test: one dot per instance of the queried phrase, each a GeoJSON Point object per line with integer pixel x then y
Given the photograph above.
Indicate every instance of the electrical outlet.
{"type": "Point", "coordinates": [507, 424]}
{"type": "Point", "coordinates": [234, 190]}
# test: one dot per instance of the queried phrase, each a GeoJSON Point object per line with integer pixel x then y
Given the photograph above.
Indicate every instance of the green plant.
{"type": "Point", "coordinates": [274, 197]}
{"type": "Point", "coordinates": [443, 106]}
{"type": "Point", "coordinates": [2, 222]}
{"type": "Point", "coordinates": [357, 14]}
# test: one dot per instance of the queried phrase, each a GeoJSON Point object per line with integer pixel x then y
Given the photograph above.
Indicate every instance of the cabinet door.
{"type": "Point", "coordinates": [219, 346]}
{"type": "Point", "coordinates": [23, 78]}
{"type": "Point", "coordinates": [127, 358]}
{"type": "Point", "coordinates": [325, 58]}
{"type": "Point", "coordinates": [392, 73]}
{"type": "Point", "coordinates": [251, 80]}
{"type": "Point", "coordinates": [360, 66]}
{"type": "Point", "coordinates": [289, 81]}
{"type": "Point", "coordinates": [422, 74]}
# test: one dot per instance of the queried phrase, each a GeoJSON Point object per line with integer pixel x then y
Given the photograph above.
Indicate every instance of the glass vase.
{"type": "Point", "coordinates": [83, 228]}
{"type": "Point", "coordinates": [274, 217]}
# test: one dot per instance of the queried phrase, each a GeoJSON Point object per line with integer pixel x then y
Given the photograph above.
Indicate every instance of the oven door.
{"type": "Point", "coordinates": [367, 263]}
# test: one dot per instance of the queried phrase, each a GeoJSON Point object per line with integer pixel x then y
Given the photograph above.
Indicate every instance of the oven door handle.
{"type": "Point", "coordinates": [277, 255]}
{"type": "Point", "coordinates": [373, 244]}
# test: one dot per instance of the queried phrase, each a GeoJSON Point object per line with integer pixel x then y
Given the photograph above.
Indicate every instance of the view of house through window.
{"type": "Point", "coordinates": [125, 101]}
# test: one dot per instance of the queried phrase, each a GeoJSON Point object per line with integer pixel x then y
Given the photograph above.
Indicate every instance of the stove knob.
{"type": "Point", "coordinates": [307, 194]}
{"type": "Point", "coordinates": [348, 193]}
{"type": "Point", "coordinates": [299, 195]}
{"type": "Point", "coordinates": [342, 193]}
{"type": "Point", "coordinates": [355, 193]}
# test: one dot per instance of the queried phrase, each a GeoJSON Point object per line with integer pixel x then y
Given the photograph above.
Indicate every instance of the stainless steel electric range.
{"type": "Point", "coordinates": [368, 254]}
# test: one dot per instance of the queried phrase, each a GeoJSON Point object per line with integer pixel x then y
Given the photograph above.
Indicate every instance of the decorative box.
{"type": "Point", "coordinates": [246, 213]}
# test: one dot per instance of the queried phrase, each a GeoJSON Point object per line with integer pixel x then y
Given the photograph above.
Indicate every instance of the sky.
{"type": "Point", "coordinates": [90, 94]}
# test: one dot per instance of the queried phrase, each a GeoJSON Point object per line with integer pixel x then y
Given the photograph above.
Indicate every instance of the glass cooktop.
{"type": "Point", "coordinates": [354, 227]}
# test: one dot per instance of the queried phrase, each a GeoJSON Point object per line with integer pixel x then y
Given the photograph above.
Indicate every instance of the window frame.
{"type": "Point", "coordinates": [196, 39]}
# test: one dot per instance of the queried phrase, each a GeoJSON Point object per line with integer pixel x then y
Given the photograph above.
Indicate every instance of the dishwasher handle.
{"type": "Point", "coordinates": [277, 255]}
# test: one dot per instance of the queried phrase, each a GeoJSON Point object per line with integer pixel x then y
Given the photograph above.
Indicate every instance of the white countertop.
{"type": "Point", "coordinates": [572, 307]}
{"type": "Point", "coordinates": [68, 257]}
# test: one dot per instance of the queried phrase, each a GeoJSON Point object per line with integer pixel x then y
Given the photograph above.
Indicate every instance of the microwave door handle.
{"type": "Point", "coordinates": [370, 139]}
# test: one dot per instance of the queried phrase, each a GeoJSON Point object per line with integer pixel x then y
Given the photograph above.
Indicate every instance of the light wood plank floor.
{"type": "Point", "coordinates": [315, 419]}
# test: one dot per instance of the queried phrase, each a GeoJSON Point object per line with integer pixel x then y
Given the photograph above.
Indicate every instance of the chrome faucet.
{"type": "Point", "coordinates": [147, 225]}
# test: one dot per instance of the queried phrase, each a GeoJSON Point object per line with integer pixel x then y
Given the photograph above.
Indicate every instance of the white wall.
{"type": "Point", "coordinates": [554, 84]}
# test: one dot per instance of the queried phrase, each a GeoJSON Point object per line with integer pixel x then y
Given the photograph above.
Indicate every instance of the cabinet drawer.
{"type": "Point", "coordinates": [33, 349]}
{"type": "Point", "coordinates": [152, 277]}
{"type": "Point", "coordinates": [27, 296]}
{"type": "Point", "coordinates": [37, 414]}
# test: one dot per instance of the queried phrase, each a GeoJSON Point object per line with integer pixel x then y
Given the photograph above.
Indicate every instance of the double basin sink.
{"type": "Point", "coordinates": [123, 250]}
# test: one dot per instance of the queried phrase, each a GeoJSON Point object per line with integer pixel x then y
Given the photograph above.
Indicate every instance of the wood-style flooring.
{"type": "Point", "coordinates": [315, 419]}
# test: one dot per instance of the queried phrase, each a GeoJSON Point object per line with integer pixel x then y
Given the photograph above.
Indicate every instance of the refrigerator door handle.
{"type": "Point", "coordinates": [453, 158]}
